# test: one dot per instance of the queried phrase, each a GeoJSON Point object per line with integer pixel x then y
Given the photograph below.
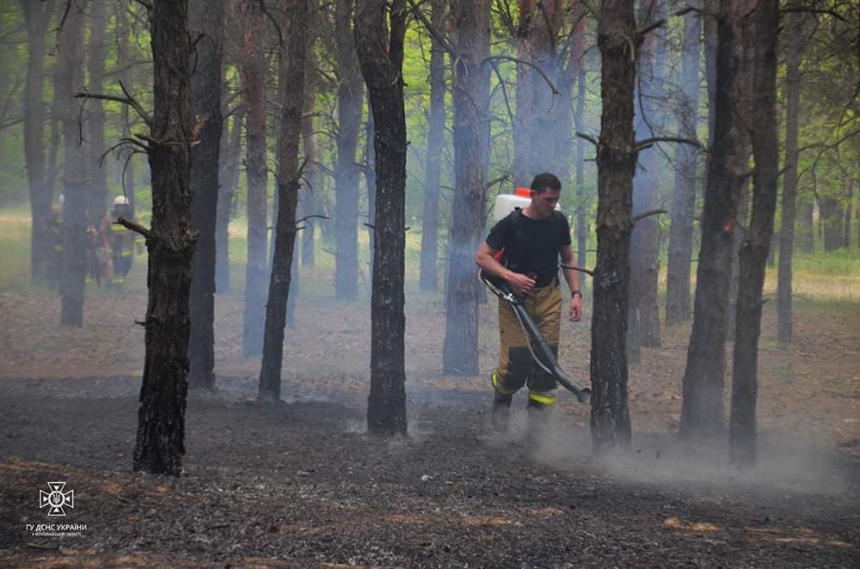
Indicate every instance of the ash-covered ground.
{"type": "Point", "coordinates": [300, 483]}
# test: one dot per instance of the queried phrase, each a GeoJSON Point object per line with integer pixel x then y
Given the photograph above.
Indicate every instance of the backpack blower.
{"type": "Point", "coordinates": [540, 350]}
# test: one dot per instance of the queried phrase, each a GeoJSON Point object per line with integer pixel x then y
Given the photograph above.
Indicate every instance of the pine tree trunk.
{"type": "Point", "coordinates": [95, 115]}
{"type": "Point", "coordinates": [74, 259]}
{"type": "Point", "coordinates": [460, 351]}
{"type": "Point", "coordinates": [784, 316]}
{"type": "Point", "coordinates": [161, 419]}
{"type": "Point", "coordinates": [383, 73]}
{"type": "Point", "coordinates": [644, 318]}
{"type": "Point", "coordinates": [576, 65]}
{"type": "Point", "coordinates": [370, 180]}
{"type": "Point", "coordinates": [228, 180]}
{"type": "Point", "coordinates": [831, 219]}
{"type": "Point", "coordinates": [309, 145]}
{"type": "Point", "coordinates": [765, 145]}
{"type": "Point", "coordinates": [686, 158]}
{"type": "Point", "coordinates": [293, 76]}
{"type": "Point", "coordinates": [37, 16]}
{"type": "Point", "coordinates": [702, 410]}
{"type": "Point", "coordinates": [616, 163]}
{"type": "Point", "coordinates": [429, 278]}
{"type": "Point", "coordinates": [805, 224]}
{"type": "Point", "coordinates": [349, 103]}
{"type": "Point", "coordinates": [547, 106]}
{"type": "Point", "coordinates": [522, 167]}
{"type": "Point", "coordinates": [205, 17]}
{"type": "Point", "coordinates": [254, 87]}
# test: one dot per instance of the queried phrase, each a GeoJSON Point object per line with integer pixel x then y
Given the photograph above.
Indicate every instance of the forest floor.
{"type": "Point", "coordinates": [301, 483]}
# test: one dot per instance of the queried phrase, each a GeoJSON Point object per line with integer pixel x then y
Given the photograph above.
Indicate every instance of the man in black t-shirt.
{"type": "Point", "coordinates": [532, 240]}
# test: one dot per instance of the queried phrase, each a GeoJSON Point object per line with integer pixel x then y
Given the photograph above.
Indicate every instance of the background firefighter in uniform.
{"type": "Point", "coordinates": [532, 240]}
{"type": "Point", "coordinates": [122, 241]}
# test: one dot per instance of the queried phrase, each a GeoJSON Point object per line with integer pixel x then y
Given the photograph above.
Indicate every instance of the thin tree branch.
{"type": "Point", "coordinates": [133, 226]}
{"type": "Point", "coordinates": [437, 35]}
{"type": "Point", "coordinates": [580, 269]}
{"type": "Point", "coordinates": [644, 214]}
{"type": "Point", "coordinates": [588, 137]}
{"type": "Point", "coordinates": [524, 62]}
{"type": "Point", "coordinates": [130, 101]}
{"type": "Point", "coordinates": [648, 142]}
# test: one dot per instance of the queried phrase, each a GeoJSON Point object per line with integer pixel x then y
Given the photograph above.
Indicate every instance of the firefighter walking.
{"type": "Point", "coordinates": [532, 239]}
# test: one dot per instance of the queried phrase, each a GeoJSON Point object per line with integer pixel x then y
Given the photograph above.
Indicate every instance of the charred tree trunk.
{"type": "Point", "coordinates": [522, 166]}
{"type": "Point", "coordinates": [370, 180]}
{"type": "Point", "coordinates": [616, 163]}
{"type": "Point", "coordinates": [550, 126]}
{"type": "Point", "coordinates": [95, 116]}
{"type": "Point", "coordinates": [383, 73]}
{"type": "Point", "coordinates": [161, 419]}
{"type": "Point", "coordinates": [429, 278]}
{"type": "Point", "coordinates": [205, 17]}
{"type": "Point", "coordinates": [644, 317]}
{"type": "Point", "coordinates": [582, 230]}
{"type": "Point", "coordinates": [784, 316]}
{"type": "Point", "coordinates": [74, 259]}
{"type": "Point", "coordinates": [846, 226]}
{"type": "Point", "coordinates": [686, 159]}
{"type": "Point", "coordinates": [349, 103]}
{"type": "Point", "coordinates": [311, 175]}
{"type": "Point", "coordinates": [460, 352]}
{"type": "Point", "coordinates": [256, 172]}
{"type": "Point", "coordinates": [702, 410]}
{"type": "Point", "coordinates": [737, 241]}
{"type": "Point", "coordinates": [763, 136]}
{"type": "Point", "coordinates": [831, 220]}
{"type": "Point", "coordinates": [293, 76]}
{"type": "Point", "coordinates": [228, 180]}
{"type": "Point", "coordinates": [37, 15]}
{"type": "Point", "coordinates": [805, 223]}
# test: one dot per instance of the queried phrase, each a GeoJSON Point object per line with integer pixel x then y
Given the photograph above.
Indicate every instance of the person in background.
{"type": "Point", "coordinates": [123, 242]}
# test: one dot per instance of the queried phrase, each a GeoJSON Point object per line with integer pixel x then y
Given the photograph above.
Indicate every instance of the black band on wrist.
{"type": "Point", "coordinates": [574, 293]}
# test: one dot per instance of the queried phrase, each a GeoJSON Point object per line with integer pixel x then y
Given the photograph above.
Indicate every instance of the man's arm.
{"type": "Point", "coordinates": [572, 278]}
{"type": "Point", "coordinates": [486, 260]}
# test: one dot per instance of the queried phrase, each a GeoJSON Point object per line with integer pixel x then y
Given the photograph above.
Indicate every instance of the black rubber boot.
{"type": "Point", "coordinates": [539, 416]}
{"type": "Point", "coordinates": [501, 412]}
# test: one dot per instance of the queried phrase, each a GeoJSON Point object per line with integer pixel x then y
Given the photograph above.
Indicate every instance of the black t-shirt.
{"type": "Point", "coordinates": [541, 241]}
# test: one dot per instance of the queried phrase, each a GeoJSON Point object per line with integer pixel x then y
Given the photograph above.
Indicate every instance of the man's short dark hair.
{"type": "Point", "coordinates": [546, 181]}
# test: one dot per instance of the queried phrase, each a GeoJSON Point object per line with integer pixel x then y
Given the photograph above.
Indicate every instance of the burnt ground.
{"type": "Point", "coordinates": [300, 483]}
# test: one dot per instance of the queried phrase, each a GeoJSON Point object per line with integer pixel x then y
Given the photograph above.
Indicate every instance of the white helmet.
{"type": "Point", "coordinates": [62, 199]}
{"type": "Point", "coordinates": [120, 200]}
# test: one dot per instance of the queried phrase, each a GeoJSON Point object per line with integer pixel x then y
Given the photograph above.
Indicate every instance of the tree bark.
{"type": "Point", "coordinates": [784, 316]}
{"type": "Point", "coordinates": [293, 78]}
{"type": "Point", "coordinates": [429, 278]}
{"type": "Point", "coordinates": [161, 419]}
{"type": "Point", "coordinates": [254, 87]}
{"type": "Point", "coordinates": [228, 180]}
{"type": "Point", "coordinates": [349, 103]}
{"type": "Point", "coordinates": [205, 17]}
{"type": "Point", "coordinates": [577, 53]}
{"type": "Point", "coordinates": [37, 16]}
{"type": "Point", "coordinates": [644, 316]}
{"type": "Point", "coordinates": [702, 410]}
{"type": "Point", "coordinates": [460, 352]}
{"type": "Point", "coordinates": [616, 163]}
{"type": "Point", "coordinates": [309, 145]}
{"type": "Point", "coordinates": [74, 259]}
{"type": "Point", "coordinates": [763, 136]}
{"type": "Point", "coordinates": [370, 180]}
{"type": "Point", "coordinates": [522, 167]}
{"type": "Point", "coordinates": [831, 217]}
{"type": "Point", "coordinates": [550, 127]}
{"type": "Point", "coordinates": [95, 115]}
{"type": "Point", "coordinates": [383, 73]}
{"type": "Point", "coordinates": [686, 159]}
